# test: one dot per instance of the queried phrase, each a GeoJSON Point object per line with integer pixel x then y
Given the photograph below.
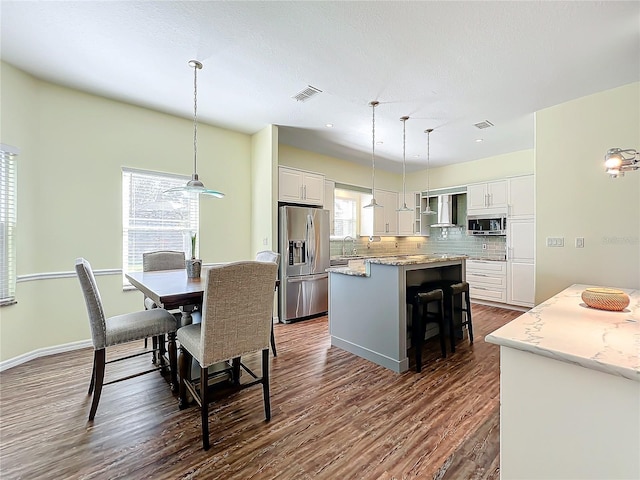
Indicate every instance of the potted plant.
{"type": "Point", "coordinates": [194, 265]}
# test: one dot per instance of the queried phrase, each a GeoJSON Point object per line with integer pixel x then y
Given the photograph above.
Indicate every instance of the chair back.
{"type": "Point", "coordinates": [236, 310]}
{"type": "Point", "coordinates": [93, 302]}
{"type": "Point", "coordinates": [267, 256]}
{"type": "Point", "coordinates": [162, 260]}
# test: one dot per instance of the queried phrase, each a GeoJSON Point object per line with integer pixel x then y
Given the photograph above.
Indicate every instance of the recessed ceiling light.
{"type": "Point", "coordinates": [478, 140]}
{"type": "Point", "coordinates": [416, 156]}
{"type": "Point", "coordinates": [379, 142]}
{"type": "Point", "coordinates": [328, 125]}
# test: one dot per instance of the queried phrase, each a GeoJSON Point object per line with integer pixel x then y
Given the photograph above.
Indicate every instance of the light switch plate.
{"type": "Point", "coordinates": [555, 241]}
{"type": "Point", "coordinates": [579, 242]}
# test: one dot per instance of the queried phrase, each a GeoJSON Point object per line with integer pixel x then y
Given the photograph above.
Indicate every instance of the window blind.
{"type": "Point", "coordinates": [8, 218]}
{"type": "Point", "coordinates": [153, 220]}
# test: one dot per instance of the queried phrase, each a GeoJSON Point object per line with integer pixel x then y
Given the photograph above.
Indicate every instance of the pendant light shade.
{"type": "Point", "coordinates": [428, 210]}
{"type": "Point", "coordinates": [373, 203]}
{"type": "Point", "coordinates": [195, 186]}
{"type": "Point", "coordinates": [404, 207]}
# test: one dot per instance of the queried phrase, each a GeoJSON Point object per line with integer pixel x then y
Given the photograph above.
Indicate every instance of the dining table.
{"type": "Point", "coordinates": [173, 289]}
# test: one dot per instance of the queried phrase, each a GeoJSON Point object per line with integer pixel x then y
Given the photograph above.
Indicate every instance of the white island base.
{"type": "Point", "coordinates": [570, 391]}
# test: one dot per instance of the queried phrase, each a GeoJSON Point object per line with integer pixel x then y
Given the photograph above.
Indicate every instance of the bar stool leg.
{"type": "Point", "coordinates": [469, 324]}
{"type": "Point", "coordinates": [452, 334]}
{"type": "Point", "coordinates": [417, 333]}
{"type": "Point", "coordinates": [443, 345]}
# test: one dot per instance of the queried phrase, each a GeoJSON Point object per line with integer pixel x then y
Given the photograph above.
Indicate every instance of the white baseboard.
{"type": "Point", "coordinates": [43, 352]}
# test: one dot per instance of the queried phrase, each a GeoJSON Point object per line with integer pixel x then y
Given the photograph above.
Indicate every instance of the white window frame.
{"type": "Point", "coordinates": [146, 209]}
{"type": "Point", "coordinates": [341, 194]}
{"type": "Point", "coordinates": [8, 222]}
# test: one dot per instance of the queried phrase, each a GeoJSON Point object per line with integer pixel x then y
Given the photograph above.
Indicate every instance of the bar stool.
{"type": "Point", "coordinates": [465, 309]}
{"type": "Point", "coordinates": [418, 297]}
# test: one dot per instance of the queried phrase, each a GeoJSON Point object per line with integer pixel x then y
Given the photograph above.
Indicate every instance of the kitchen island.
{"type": "Point", "coordinates": [367, 303]}
{"type": "Point", "coordinates": [570, 390]}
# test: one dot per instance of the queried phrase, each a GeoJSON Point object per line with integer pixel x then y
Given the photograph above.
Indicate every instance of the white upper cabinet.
{"type": "Point", "coordinates": [487, 197]}
{"type": "Point", "coordinates": [406, 219]}
{"type": "Point", "coordinates": [298, 186]}
{"type": "Point", "coordinates": [386, 218]}
{"type": "Point", "coordinates": [329, 203]}
{"type": "Point", "coordinates": [521, 197]}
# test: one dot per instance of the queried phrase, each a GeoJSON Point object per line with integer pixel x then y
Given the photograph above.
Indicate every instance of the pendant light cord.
{"type": "Point", "coordinates": [373, 149]}
{"type": "Point", "coordinates": [404, 160]}
{"type": "Point", "coordinates": [195, 119]}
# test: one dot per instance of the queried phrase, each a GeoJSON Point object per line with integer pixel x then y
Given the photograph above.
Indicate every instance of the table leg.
{"type": "Point", "coordinates": [187, 319]}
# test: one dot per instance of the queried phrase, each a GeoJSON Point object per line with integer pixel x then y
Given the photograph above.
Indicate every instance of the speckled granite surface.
{"type": "Point", "coordinates": [358, 268]}
{"type": "Point", "coordinates": [565, 329]}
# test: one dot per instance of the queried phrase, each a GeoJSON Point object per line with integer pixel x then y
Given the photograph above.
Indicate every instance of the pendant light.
{"type": "Point", "coordinates": [428, 210]}
{"type": "Point", "coordinates": [195, 186]}
{"type": "Point", "coordinates": [404, 207]}
{"type": "Point", "coordinates": [373, 203]}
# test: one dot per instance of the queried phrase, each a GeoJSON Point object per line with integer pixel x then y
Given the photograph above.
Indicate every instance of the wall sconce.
{"type": "Point", "coordinates": [618, 161]}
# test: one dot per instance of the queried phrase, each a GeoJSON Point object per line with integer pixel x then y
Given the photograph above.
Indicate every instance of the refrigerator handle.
{"type": "Point", "coordinates": [311, 240]}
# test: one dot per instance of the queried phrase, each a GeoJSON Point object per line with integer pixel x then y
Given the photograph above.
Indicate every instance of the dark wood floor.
{"type": "Point", "coordinates": [334, 415]}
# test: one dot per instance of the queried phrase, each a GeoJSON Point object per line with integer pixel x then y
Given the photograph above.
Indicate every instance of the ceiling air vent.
{"type": "Point", "coordinates": [306, 94]}
{"type": "Point", "coordinates": [484, 124]}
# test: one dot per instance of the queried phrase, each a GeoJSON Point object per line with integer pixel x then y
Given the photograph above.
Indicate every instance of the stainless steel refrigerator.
{"type": "Point", "coordinates": [303, 235]}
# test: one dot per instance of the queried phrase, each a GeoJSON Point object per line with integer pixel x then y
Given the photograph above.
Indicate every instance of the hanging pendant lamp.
{"type": "Point", "coordinates": [373, 203]}
{"type": "Point", "coordinates": [404, 207]}
{"type": "Point", "coordinates": [428, 210]}
{"type": "Point", "coordinates": [195, 186]}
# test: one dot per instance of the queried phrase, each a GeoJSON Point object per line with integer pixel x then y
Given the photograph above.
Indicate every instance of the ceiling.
{"type": "Point", "coordinates": [447, 65]}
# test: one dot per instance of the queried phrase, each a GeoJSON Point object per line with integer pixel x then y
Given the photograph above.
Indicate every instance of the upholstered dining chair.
{"type": "Point", "coordinates": [269, 256]}
{"type": "Point", "coordinates": [152, 262]}
{"type": "Point", "coordinates": [236, 320]}
{"type": "Point", "coordinates": [129, 327]}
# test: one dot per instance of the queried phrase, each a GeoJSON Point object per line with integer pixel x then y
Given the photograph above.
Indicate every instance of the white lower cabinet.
{"type": "Point", "coordinates": [521, 262]}
{"type": "Point", "coordinates": [487, 280]}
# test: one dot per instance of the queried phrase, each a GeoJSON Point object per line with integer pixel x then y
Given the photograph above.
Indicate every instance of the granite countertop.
{"type": "Point", "coordinates": [565, 329]}
{"type": "Point", "coordinates": [358, 267]}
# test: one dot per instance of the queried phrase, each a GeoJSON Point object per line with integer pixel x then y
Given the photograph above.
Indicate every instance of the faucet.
{"type": "Point", "coordinates": [348, 237]}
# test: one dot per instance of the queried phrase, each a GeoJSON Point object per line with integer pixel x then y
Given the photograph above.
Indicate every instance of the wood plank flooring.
{"type": "Point", "coordinates": [334, 416]}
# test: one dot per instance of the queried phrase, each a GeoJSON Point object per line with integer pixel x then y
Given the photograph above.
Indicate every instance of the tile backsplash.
{"type": "Point", "coordinates": [442, 240]}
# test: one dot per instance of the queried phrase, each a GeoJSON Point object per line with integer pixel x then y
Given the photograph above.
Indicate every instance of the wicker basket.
{"type": "Point", "coordinates": [606, 299]}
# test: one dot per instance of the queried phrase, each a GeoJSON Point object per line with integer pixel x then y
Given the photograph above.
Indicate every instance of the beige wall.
{"type": "Point", "coordinates": [575, 198]}
{"type": "Point", "coordinates": [337, 170]}
{"type": "Point", "coordinates": [73, 147]}
{"type": "Point", "coordinates": [264, 187]}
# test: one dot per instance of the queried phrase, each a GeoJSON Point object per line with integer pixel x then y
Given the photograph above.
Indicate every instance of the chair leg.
{"type": "Point", "coordinates": [184, 365]}
{"type": "Point", "coordinates": [235, 371]}
{"type": "Point", "coordinates": [145, 342]}
{"type": "Point", "coordinates": [417, 334]}
{"type": "Point", "coordinates": [273, 341]}
{"type": "Point", "coordinates": [173, 361]}
{"type": "Point", "coordinates": [93, 375]}
{"type": "Point", "coordinates": [99, 360]}
{"type": "Point", "coordinates": [154, 355]}
{"type": "Point", "coordinates": [469, 324]}
{"type": "Point", "coordinates": [265, 384]}
{"type": "Point", "coordinates": [452, 334]}
{"type": "Point", "coordinates": [204, 406]}
{"type": "Point", "coordinates": [162, 350]}
{"type": "Point", "coordinates": [443, 345]}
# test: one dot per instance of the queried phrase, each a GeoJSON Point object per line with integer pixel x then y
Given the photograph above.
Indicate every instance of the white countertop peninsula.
{"type": "Point", "coordinates": [570, 390]}
{"type": "Point", "coordinates": [367, 303]}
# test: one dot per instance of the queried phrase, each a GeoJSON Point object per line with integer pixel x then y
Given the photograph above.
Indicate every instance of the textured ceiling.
{"type": "Point", "coordinates": [447, 65]}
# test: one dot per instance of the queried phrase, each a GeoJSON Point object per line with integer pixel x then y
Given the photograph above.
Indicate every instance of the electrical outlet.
{"type": "Point", "coordinates": [579, 242]}
{"type": "Point", "coordinates": [484, 246]}
{"type": "Point", "coordinates": [418, 245]}
{"type": "Point", "coordinates": [396, 244]}
{"type": "Point", "coordinates": [265, 241]}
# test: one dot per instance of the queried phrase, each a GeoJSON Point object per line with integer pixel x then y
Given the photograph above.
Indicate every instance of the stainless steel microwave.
{"type": "Point", "coordinates": [487, 224]}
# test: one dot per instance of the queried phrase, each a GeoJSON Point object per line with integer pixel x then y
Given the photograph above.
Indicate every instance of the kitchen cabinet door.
{"type": "Point", "coordinates": [488, 197]}
{"type": "Point", "coordinates": [383, 220]}
{"type": "Point", "coordinates": [521, 197]}
{"type": "Point", "coordinates": [329, 203]}
{"type": "Point", "coordinates": [521, 283]}
{"type": "Point", "coordinates": [297, 186]}
{"type": "Point", "coordinates": [406, 223]}
{"type": "Point", "coordinates": [521, 239]}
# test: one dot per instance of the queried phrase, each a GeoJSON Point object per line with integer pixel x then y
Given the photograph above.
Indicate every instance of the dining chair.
{"type": "Point", "coordinates": [236, 320]}
{"type": "Point", "coordinates": [152, 262]}
{"type": "Point", "coordinates": [129, 327]}
{"type": "Point", "coordinates": [269, 256]}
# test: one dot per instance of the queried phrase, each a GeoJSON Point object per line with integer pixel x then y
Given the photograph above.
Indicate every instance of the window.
{"type": "Point", "coordinates": [7, 224]}
{"type": "Point", "coordinates": [346, 206]}
{"type": "Point", "coordinates": [153, 220]}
